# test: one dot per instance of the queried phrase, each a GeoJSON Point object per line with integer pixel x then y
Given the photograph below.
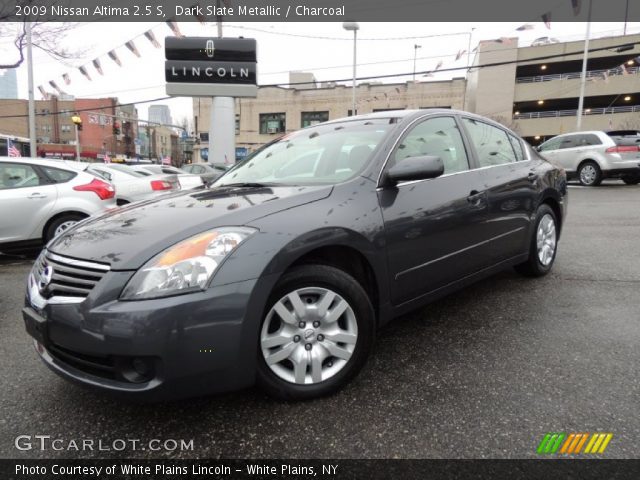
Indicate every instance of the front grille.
{"type": "Point", "coordinates": [70, 278]}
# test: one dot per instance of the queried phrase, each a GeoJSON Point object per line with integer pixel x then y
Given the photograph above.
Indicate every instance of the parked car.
{"type": "Point", "coordinates": [208, 171]}
{"type": "Point", "coordinates": [283, 274]}
{"type": "Point", "coordinates": [592, 156]}
{"type": "Point", "coordinates": [40, 199]}
{"type": "Point", "coordinates": [132, 186]}
{"type": "Point", "coordinates": [186, 180]}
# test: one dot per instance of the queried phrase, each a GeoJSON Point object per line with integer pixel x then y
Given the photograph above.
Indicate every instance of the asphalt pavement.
{"type": "Point", "coordinates": [483, 373]}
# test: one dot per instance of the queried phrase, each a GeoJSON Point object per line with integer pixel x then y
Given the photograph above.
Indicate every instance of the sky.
{"type": "Point", "coordinates": [325, 49]}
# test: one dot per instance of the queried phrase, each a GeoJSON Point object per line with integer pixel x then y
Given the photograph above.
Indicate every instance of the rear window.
{"type": "Point", "coordinates": [125, 169]}
{"type": "Point", "coordinates": [58, 175]}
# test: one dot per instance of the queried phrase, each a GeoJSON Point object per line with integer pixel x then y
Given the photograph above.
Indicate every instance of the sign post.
{"type": "Point", "coordinates": [222, 68]}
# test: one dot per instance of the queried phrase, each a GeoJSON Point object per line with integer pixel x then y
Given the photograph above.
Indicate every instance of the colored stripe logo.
{"type": "Point", "coordinates": [573, 443]}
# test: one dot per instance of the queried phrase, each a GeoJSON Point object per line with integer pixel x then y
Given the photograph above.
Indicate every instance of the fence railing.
{"type": "Point", "coordinates": [573, 113]}
{"type": "Point", "coordinates": [592, 74]}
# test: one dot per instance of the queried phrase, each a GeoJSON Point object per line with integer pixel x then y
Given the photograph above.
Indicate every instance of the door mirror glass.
{"type": "Point", "coordinates": [415, 168]}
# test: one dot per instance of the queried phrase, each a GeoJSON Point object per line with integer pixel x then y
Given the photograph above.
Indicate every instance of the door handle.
{"type": "Point", "coordinates": [532, 177]}
{"type": "Point", "coordinates": [475, 198]}
{"type": "Point", "coordinates": [37, 195]}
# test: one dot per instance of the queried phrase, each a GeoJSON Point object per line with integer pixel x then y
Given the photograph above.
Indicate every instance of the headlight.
{"type": "Point", "coordinates": [186, 266]}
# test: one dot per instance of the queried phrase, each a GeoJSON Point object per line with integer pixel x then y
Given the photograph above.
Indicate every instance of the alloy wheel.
{"type": "Point", "coordinates": [546, 239]}
{"type": "Point", "coordinates": [588, 174]}
{"type": "Point", "coordinates": [64, 226]}
{"type": "Point", "coordinates": [309, 335]}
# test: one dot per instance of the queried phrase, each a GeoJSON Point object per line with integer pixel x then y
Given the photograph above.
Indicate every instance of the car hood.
{"type": "Point", "coordinates": [128, 237]}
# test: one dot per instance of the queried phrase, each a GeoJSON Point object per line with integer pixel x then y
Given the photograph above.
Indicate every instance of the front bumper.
{"type": "Point", "coordinates": [186, 345]}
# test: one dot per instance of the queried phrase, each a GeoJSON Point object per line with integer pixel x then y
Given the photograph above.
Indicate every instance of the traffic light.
{"type": "Point", "coordinates": [77, 121]}
{"type": "Point", "coordinates": [116, 128]}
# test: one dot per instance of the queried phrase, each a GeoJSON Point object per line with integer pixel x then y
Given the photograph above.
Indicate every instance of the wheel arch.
{"type": "Point", "coordinates": [60, 215]}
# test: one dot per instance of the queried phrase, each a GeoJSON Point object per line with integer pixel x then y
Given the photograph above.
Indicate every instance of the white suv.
{"type": "Point", "coordinates": [39, 199]}
{"type": "Point", "coordinates": [592, 156]}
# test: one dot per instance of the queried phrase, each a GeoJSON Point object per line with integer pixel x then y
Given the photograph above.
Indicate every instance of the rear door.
{"type": "Point", "coordinates": [434, 227]}
{"type": "Point", "coordinates": [26, 198]}
{"type": "Point", "coordinates": [511, 183]}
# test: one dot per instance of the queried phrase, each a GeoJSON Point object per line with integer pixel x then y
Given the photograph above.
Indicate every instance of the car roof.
{"type": "Point", "coordinates": [68, 164]}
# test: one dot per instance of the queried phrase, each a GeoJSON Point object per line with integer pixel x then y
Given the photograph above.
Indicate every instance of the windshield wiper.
{"type": "Point", "coordinates": [246, 185]}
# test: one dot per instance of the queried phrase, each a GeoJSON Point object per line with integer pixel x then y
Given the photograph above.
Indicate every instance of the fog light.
{"type": "Point", "coordinates": [136, 369]}
{"type": "Point", "coordinates": [141, 366]}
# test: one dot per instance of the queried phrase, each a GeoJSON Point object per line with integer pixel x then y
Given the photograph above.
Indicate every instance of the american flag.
{"type": "Point", "coordinates": [12, 150]}
{"type": "Point", "coordinates": [107, 158]}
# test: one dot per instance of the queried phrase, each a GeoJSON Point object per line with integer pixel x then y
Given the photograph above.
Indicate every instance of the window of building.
{"type": "Point", "coordinates": [308, 119]}
{"type": "Point", "coordinates": [46, 128]}
{"type": "Point", "coordinates": [272, 123]}
{"type": "Point", "coordinates": [439, 137]}
{"type": "Point", "coordinates": [204, 136]}
{"type": "Point", "coordinates": [386, 109]}
{"type": "Point", "coordinates": [492, 143]}
{"type": "Point", "coordinates": [237, 124]}
{"type": "Point", "coordinates": [66, 128]}
{"type": "Point", "coordinates": [350, 112]}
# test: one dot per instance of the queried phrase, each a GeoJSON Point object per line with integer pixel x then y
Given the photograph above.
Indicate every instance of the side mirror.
{"type": "Point", "coordinates": [415, 168]}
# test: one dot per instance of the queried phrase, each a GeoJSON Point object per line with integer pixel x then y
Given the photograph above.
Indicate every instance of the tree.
{"type": "Point", "coordinates": [45, 36]}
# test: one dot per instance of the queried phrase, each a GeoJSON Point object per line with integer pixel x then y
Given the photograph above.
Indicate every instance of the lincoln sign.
{"type": "Point", "coordinates": [208, 67]}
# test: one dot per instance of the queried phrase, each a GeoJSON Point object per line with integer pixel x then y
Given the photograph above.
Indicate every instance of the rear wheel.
{"type": "Point", "coordinates": [316, 334]}
{"type": "Point", "coordinates": [61, 225]}
{"type": "Point", "coordinates": [543, 246]}
{"type": "Point", "coordinates": [590, 174]}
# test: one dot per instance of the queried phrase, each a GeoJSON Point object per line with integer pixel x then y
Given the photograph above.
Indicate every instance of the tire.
{"type": "Point", "coordinates": [539, 264]}
{"type": "Point", "coordinates": [590, 174]}
{"type": "Point", "coordinates": [60, 224]}
{"type": "Point", "coordinates": [629, 180]}
{"type": "Point", "coordinates": [298, 361]}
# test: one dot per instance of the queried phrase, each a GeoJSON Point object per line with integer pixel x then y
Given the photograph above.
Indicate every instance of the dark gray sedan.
{"type": "Point", "coordinates": [282, 270]}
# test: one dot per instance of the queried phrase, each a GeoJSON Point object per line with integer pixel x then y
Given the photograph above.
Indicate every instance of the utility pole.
{"type": "Point", "coordinates": [583, 76]}
{"type": "Point", "coordinates": [32, 103]}
{"type": "Point", "coordinates": [415, 55]}
{"type": "Point", "coordinates": [353, 26]}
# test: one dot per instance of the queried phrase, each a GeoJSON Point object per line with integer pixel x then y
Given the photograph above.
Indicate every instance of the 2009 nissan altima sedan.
{"type": "Point", "coordinates": [281, 271]}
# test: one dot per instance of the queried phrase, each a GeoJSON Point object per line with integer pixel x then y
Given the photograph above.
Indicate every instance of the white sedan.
{"type": "Point", "coordinates": [186, 180]}
{"type": "Point", "coordinates": [132, 186]}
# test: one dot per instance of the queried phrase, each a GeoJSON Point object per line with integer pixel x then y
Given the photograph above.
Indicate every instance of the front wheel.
{"type": "Point", "coordinates": [590, 174]}
{"type": "Point", "coordinates": [316, 335]}
{"type": "Point", "coordinates": [543, 246]}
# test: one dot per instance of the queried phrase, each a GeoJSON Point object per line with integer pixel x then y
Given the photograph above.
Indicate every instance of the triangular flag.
{"type": "Point", "coordinates": [174, 28]}
{"type": "Point", "coordinates": [526, 26]}
{"type": "Point", "coordinates": [546, 18]}
{"type": "Point", "coordinates": [66, 78]}
{"type": "Point", "coordinates": [84, 72]}
{"type": "Point", "coordinates": [54, 85]}
{"type": "Point", "coordinates": [132, 46]}
{"type": "Point", "coordinates": [576, 4]}
{"type": "Point", "coordinates": [438, 65]}
{"type": "Point", "coordinates": [114, 56]}
{"type": "Point", "coordinates": [152, 38]}
{"type": "Point", "coordinates": [43, 92]}
{"type": "Point", "coordinates": [459, 54]}
{"type": "Point", "coordinates": [96, 63]}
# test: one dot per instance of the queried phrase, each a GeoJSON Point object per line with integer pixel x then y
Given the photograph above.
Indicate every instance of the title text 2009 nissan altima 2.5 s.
{"type": "Point", "coordinates": [281, 271]}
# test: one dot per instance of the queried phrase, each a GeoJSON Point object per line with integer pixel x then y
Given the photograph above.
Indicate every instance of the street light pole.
{"type": "Point", "coordinates": [583, 76]}
{"type": "Point", "coordinates": [32, 104]}
{"type": "Point", "coordinates": [353, 26]}
{"type": "Point", "coordinates": [415, 54]}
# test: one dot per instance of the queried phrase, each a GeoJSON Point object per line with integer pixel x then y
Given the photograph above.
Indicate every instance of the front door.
{"type": "Point", "coordinates": [433, 227]}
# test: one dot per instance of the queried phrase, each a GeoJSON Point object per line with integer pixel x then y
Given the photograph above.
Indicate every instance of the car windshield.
{"type": "Point", "coordinates": [325, 154]}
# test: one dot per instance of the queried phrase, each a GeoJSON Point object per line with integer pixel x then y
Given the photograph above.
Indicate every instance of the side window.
{"type": "Point", "coordinates": [589, 139]}
{"type": "Point", "coordinates": [57, 175]}
{"type": "Point", "coordinates": [517, 147]}
{"type": "Point", "coordinates": [102, 173]}
{"type": "Point", "coordinates": [570, 141]}
{"type": "Point", "coordinates": [553, 144]}
{"type": "Point", "coordinates": [17, 175]}
{"type": "Point", "coordinates": [435, 136]}
{"type": "Point", "coordinates": [197, 169]}
{"type": "Point", "coordinates": [492, 143]}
